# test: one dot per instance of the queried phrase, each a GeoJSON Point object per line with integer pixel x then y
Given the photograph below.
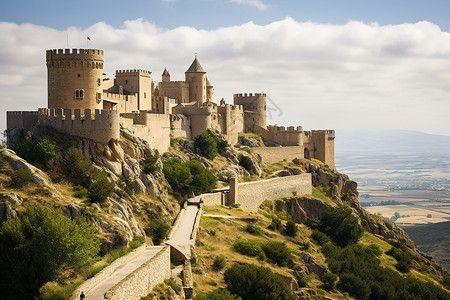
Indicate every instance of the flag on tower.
{"type": "Point", "coordinates": [88, 38]}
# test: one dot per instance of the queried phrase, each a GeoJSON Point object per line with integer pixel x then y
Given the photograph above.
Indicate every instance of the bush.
{"type": "Point", "coordinates": [278, 252]}
{"type": "Point", "coordinates": [291, 228]}
{"type": "Point", "coordinates": [320, 237]}
{"type": "Point", "coordinates": [53, 291]}
{"type": "Point", "coordinates": [276, 223]}
{"type": "Point", "coordinates": [219, 263]}
{"type": "Point", "coordinates": [41, 150]}
{"type": "Point", "coordinates": [36, 244]}
{"type": "Point", "coordinates": [219, 294]}
{"type": "Point", "coordinates": [206, 145]}
{"type": "Point", "coordinates": [403, 257]}
{"type": "Point", "coordinates": [253, 229]}
{"type": "Point", "coordinates": [150, 163]}
{"type": "Point", "coordinates": [296, 161]}
{"type": "Point", "coordinates": [21, 177]}
{"type": "Point", "coordinates": [253, 283]}
{"type": "Point", "coordinates": [329, 280]}
{"type": "Point", "coordinates": [249, 248]}
{"type": "Point", "coordinates": [80, 192]}
{"type": "Point", "coordinates": [355, 286]}
{"type": "Point", "coordinates": [159, 231]}
{"type": "Point", "coordinates": [171, 282]}
{"type": "Point", "coordinates": [100, 189]}
{"type": "Point", "coordinates": [246, 162]}
{"type": "Point", "coordinates": [136, 242]}
{"type": "Point", "coordinates": [341, 226]}
{"type": "Point", "coordinates": [189, 177]}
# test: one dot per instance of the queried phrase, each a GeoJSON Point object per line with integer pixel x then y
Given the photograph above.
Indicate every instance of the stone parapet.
{"type": "Point", "coordinates": [102, 126]}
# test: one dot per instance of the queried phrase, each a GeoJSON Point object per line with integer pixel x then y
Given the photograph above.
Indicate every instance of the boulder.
{"type": "Point", "coordinates": [12, 198]}
{"type": "Point", "coordinates": [6, 212]}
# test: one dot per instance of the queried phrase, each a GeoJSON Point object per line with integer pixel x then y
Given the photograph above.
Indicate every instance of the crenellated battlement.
{"type": "Point", "coordinates": [74, 54]}
{"type": "Point", "coordinates": [298, 129]}
{"type": "Point", "coordinates": [98, 125]}
{"type": "Point", "coordinates": [246, 95]}
{"type": "Point", "coordinates": [133, 72]}
{"type": "Point", "coordinates": [118, 97]}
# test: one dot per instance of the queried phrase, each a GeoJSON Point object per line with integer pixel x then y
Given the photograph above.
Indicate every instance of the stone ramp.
{"type": "Point", "coordinates": [98, 292]}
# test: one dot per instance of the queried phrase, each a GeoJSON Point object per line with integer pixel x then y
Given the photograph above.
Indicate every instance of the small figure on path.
{"type": "Point", "coordinates": [82, 296]}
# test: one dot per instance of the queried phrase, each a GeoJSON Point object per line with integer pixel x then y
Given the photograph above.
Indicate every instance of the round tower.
{"type": "Point", "coordinates": [75, 78]}
{"type": "Point", "coordinates": [196, 77]}
{"type": "Point", "coordinates": [255, 112]}
{"type": "Point", "coordinates": [209, 90]}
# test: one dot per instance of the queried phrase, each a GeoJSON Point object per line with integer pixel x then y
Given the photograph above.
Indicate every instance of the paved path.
{"type": "Point", "coordinates": [102, 287]}
{"type": "Point", "coordinates": [182, 233]}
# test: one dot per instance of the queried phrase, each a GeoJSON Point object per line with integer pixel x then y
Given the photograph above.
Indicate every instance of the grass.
{"type": "Point", "coordinates": [318, 194]}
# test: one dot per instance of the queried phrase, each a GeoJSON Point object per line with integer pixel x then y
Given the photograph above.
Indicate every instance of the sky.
{"type": "Point", "coordinates": [344, 65]}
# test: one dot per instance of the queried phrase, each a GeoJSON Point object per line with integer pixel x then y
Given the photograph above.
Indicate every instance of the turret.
{"type": "Point", "coordinates": [254, 109]}
{"type": "Point", "coordinates": [75, 78]}
{"type": "Point", "coordinates": [165, 76]}
{"type": "Point", "coordinates": [196, 77]}
{"type": "Point", "coordinates": [209, 90]}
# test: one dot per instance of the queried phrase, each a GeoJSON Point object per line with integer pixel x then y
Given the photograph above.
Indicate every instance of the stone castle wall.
{"type": "Point", "coordinates": [290, 136]}
{"type": "Point", "coordinates": [180, 125]}
{"type": "Point", "coordinates": [140, 282]}
{"type": "Point", "coordinates": [102, 126]}
{"type": "Point", "coordinates": [252, 194]}
{"type": "Point", "coordinates": [16, 120]}
{"type": "Point", "coordinates": [139, 82]}
{"type": "Point", "coordinates": [255, 107]}
{"type": "Point", "coordinates": [106, 272]}
{"type": "Point", "coordinates": [272, 155]}
{"type": "Point", "coordinates": [125, 103]}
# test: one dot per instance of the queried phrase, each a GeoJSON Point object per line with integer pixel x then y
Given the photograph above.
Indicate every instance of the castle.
{"type": "Point", "coordinates": [83, 102]}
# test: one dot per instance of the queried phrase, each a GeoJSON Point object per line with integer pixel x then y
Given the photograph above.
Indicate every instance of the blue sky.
{"type": "Point", "coordinates": [324, 64]}
{"type": "Point", "coordinates": [210, 14]}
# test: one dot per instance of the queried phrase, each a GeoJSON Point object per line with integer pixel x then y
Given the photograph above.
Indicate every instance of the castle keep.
{"type": "Point", "coordinates": [83, 102]}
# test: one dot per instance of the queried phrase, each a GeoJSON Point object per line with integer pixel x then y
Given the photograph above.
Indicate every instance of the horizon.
{"type": "Point", "coordinates": [329, 71]}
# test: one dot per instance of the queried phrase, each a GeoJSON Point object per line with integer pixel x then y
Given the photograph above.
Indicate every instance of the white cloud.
{"type": "Point", "coordinates": [356, 75]}
{"type": "Point", "coordinates": [255, 3]}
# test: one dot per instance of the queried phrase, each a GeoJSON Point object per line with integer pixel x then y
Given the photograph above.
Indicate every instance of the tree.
{"type": "Point", "coordinates": [254, 283]}
{"type": "Point", "coordinates": [149, 163]}
{"type": "Point", "coordinates": [41, 150]}
{"type": "Point", "coordinates": [206, 144]}
{"type": "Point", "coordinates": [341, 226]}
{"type": "Point", "coordinates": [36, 244]}
{"type": "Point", "coordinates": [291, 228]}
{"type": "Point", "coordinates": [219, 294]}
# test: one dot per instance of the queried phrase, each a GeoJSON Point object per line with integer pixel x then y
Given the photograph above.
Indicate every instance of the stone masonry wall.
{"type": "Point", "coordinates": [140, 282]}
{"type": "Point", "coordinates": [106, 272]}
{"type": "Point", "coordinates": [272, 155]}
{"type": "Point", "coordinates": [252, 194]}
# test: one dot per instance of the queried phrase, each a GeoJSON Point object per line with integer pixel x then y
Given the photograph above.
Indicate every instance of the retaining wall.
{"type": "Point", "coordinates": [140, 282]}
{"type": "Point", "coordinates": [272, 155]}
{"type": "Point", "coordinates": [106, 272]}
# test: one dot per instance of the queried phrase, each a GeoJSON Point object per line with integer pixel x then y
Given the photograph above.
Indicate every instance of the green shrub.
{"type": "Point", "coordinates": [219, 263]}
{"type": "Point", "coordinates": [249, 248]}
{"type": "Point", "coordinates": [189, 177]}
{"type": "Point", "coordinates": [158, 231]}
{"type": "Point", "coordinates": [355, 286]}
{"type": "Point", "coordinates": [206, 145]}
{"type": "Point", "coordinates": [40, 150]}
{"type": "Point", "coordinates": [320, 237]}
{"type": "Point", "coordinates": [305, 246]}
{"type": "Point", "coordinates": [21, 177]}
{"type": "Point", "coordinates": [253, 229]}
{"type": "Point", "coordinates": [291, 228]}
{"type": "Point", "coordinates": [100, 189]}
{"type": "Point", "coordinates": [246, 162]}
{"type": "Point", "coordinates": [219, 294]}
{"type": "Point", "coordinates": [341, 226]}
{"type": "Point", "coordinates": [296, 161]}
{"type": "Point", "coordinates": [35, 245]}
{"type": "Point", "coordinates": [403, 257]}
{"type": "Point", "coordinates": [150, 163]}
{"type": "Point", "coordinates": [80, 192]}
{"type": "Point", "coordinates": [253, 283]}
{"type": "Point", "coordinates": [277, 251]}
{"type": "Point", "coordinates": [329, 280]}
{"type": "Point", "coordinates": [276, 223]}
{"type": "Point", "coordinates": [136, 242]}
{"type": "Point", "coordinates": [77, 167]}
{"type": "Point", "coordinates": [172, 283]}
{"type": "Point", "coordinates": [53, 291]}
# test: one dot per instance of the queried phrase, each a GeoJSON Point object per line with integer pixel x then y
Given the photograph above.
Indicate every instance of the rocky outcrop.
{"type": "Point", "coordinates": [250, 141]}
{"type": "Point", "coordinates": [6, 212]}
{"type": "Point", "coordinates": [12, 198]}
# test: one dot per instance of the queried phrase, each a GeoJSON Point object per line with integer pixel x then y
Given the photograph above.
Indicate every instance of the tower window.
{"type": "Point", "coordinates": [79, 94]}
{"type": "Point", "coordinates": [79, 75]}
{"type": "Point", "coordinates": [126, 81]}
{"type": "Point", "coordinates": [145, 95]}
{"type": "Point", "coordinates": [99, 81]}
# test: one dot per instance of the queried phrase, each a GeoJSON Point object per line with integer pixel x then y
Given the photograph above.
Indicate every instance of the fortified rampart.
{"type": "Point", "coordinates": [141, 282]}
{"type": "Point", "coordinates": [252, 194]}
{"type": "Point", "coordinates": [270, 155]}
{"type": "Point", "coordinates": [154, 128]}
{"type": "Point", "coordinates": [16, 120]}
{"type": "Point", "coordinates": [181, 126]}
{"type": "Point", "coordinates": [75, 78]}
{"type": "Point", "coordinates": [123, 103]}
{"type": "Point", "coordinates": [102, 126]}
{"type": "Point", "coordinates": [291, 136]}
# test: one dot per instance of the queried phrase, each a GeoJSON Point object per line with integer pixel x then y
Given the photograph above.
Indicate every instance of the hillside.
{"type": "Point", "coordinates": [127, 194]}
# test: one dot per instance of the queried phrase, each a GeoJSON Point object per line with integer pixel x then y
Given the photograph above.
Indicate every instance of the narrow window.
{"type": "Point", "coordinates": [79, 75]}
{"type": "Point", "coordinates": [99, 81]}
{"type": "Point", "coordinates": [81, 93]}
{"type": "Point", "coordinates": [145, 95]}
{"type": "Point", "coordinates": [126, 81]}
{"type": "Point", "coordinates": [77, 93]}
